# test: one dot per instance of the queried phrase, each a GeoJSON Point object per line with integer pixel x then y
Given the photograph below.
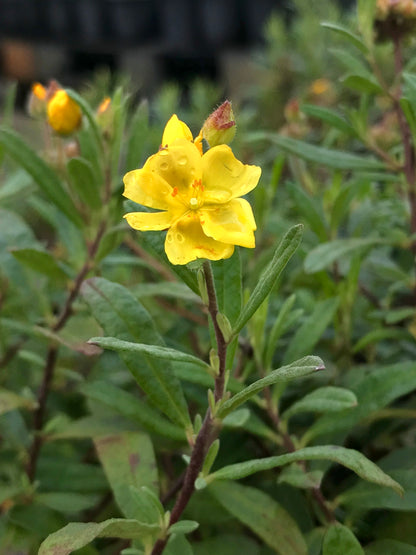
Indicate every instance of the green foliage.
{"type": "Point", "coordinates": [264, 404]}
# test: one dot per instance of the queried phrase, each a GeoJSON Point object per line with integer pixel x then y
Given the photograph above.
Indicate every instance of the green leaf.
{"type": "Point", "coordinates": [133, 408]}
{"type": "Point", "coordinates": [68, 503]}
{"type": "Point", "coordinates": [354, 460]}
{"type": "Point", "coordinates": [377, 335]}
{"type": "Point", "coordinates": [122, 316]}
{"type": "Point", "coordinates": [310, 208]}
{"type": "Point", "coordinates": [365, 496]}
{"type": "Point", "coordinates": [365, 13]}
{"type": "Point", "coordinates": [78, 534]}
{"type": "Point", "coordinates": [326, 254]}
{"type": "Point", "coordinates": [11, 401]}
{"type": "Point", "coordinates": [345, 32]}
{"type": "Point", "coordinates": [309, 333]}
{"type": "Point", "coordinates": [84, 182]}
{"type": "Point", "coordinates": [43, 262]}
{"type": "Point", "coordinates": [343, 200]}
{"type": "Point", "coordinates": [263, 515]}
{"type": "Point", "coordinates": [43, 175]}
{"type": "Point", "coordinates": [227, 275]}
{"type": "Point", "coordinates": [268, 278]}
{"type": "Point", "coordinates": [324, 399]}
{"type": "Point", "coordinates": [183, 527]}
{"type": "Point", "coordinates": [297, 369]}
{"type": "Point", "coordinates": [339, 540]}
{"type": "Point", "coordinates": [153, 351]}
{"type": "Point", "coordinates": [390, 547]}
{"type": "Point", "coordinates": [362, 84]}
{"type": "Point", "coordinates": [335, 159]}
{"type": "Point", "coordinates": [374, 390]}
{"type": "Point", "coordinates": [328, 116]}
{"type": "Point", "coordinates": [128, 460]}
{"type": "Point", "coordinates": [178, 545]}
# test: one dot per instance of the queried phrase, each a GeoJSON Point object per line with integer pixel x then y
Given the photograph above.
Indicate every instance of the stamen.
{"type": "Point", "coordinates": [175, 191]}
{"type": "Point", "coordinates": [193, 201]}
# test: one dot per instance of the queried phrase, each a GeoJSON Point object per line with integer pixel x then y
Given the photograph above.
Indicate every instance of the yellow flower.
{"type": "Point", "coordinates": [37, 101]}
{"type": "Point", "coordinates": [198, 197]}
{"type": "Point", "coordinates": [64, 115]}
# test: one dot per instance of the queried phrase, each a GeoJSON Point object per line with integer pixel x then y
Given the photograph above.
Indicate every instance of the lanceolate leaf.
{"type": "Point", "coordinates": [324, 399]}
{"type": "Point", "coordinates": [128, 460]}
{"type": "Point", "coordinates": [350, 458]}
{"type": "Point", "coordinates": [43, 262]}
{"type": "Point", "coordinates": [268, 278]}
{"type": "Point", "coordinates": [345, 32]}
{"type": "Point", "coordinates": [78, 534]}
{"type": "Point", "coordinates": [328, 116]}
{"type": "Point", "coordinates": [46, 179]}
{"type": "Point", "coordinates": [154, 351]}
{"type": "Point", "coordinates": [326, 254]}
{"type": "Point", "coordinates": [263, 515]}
{"type": "Point", "coordinates": [335, 159]}
{"type": "Point", "coordinates": [297, 369]}
{"type": "Point", "coordinates": [121, 315]}
{"type": "Point", "coordinates": [11, 401]}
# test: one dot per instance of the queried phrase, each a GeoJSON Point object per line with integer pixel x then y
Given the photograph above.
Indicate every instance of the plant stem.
{"type": "Point", "coordinates": [209, 430]}
{"type": "Point", "coordinates": [52, 354]}
{"type": "Point", "coordinates": [409, 154]}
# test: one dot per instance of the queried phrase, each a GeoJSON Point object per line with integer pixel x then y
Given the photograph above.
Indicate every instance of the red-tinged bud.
{"type": "Point", "coordinates": [292, 111]}
{"type": "Point", "coordinates": [105, 117]}
{"type": "Point", "coordinates": [220, 127]}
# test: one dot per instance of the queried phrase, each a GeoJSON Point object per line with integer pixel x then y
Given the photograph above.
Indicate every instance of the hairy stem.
{"type": "Point", "coordinates": [208, 431]}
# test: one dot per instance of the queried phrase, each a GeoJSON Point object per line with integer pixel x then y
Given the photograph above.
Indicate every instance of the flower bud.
{"type": "Point", "coordinates": [395, 18]}
{"type": "Point", "coordinates": [105, 117]}
{"type": "Point", "coordinates": [219, 128]}
{"type": "Point", "coordinates": [64, 114]}
{"type": "Point", "coordinates": [37, 101]}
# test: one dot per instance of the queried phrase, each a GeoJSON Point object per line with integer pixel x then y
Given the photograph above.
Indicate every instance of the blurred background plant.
{"type": "Point", "coordinates": [330, 117]}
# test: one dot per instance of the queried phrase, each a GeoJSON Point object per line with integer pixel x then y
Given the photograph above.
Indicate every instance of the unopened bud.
{"type": "Point", "coordinates": [105, 117]}
{"type": "Point", "coordinates": [220, 127]}
{"type": "Point", "coordinates": [225, 326]}
{"type": "Point", "coordinates": [394, 18]}
{"type": "Point", "coordinates": [64, 114]}
{"type": "Point", "coordinates": [214, 360]}
{"type": "Point", "coordinates": [37, 101]}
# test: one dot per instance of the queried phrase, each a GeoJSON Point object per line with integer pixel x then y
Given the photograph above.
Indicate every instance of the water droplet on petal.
{"type": "Point", "coordinates": [163, 153]}
{"type": "Point", "coordinates": [183, 161]}
{"type": "Point", "coordinates": [164, 166]}
{"type": "Point", "coordinates": [180, 238]}
{"type": "Point", "coordinates": [169, 238]}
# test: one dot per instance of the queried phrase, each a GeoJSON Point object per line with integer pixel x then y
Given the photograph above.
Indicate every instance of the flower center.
{"type": "Point", "coordinates": [196, 199]}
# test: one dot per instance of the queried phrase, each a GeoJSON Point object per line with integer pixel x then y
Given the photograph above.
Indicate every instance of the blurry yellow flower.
{"type": "Point", "coordinates": [320, 86]}
{"type": "Point", "coordinates": [37, 101]}
{"type": "Point", "coordinates": [64, 114]}
{"type": "Point", "coordinates": [197, 197]}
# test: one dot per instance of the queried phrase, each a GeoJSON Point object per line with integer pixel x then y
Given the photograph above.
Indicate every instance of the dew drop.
{"type": "Point", "coordinates": [163, 153]}
{"type": "Point", "coordinates": [180, 238]}
{"type": "Point", "coordinates": [169, 238]}
{"type": "Point", "coordinates": [164, 166]}
{"type": "Point", "coordinates": [183, 161]}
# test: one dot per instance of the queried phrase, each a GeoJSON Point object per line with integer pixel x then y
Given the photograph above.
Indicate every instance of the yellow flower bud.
{"type": "Point", "coordinates": [105, 117]}
{"type": "Point", "coordinates": [64, 115]}
{"type": "Point", "coordinates": [219, 128]}
{"type": "Point", "coordinates": [37, 101]}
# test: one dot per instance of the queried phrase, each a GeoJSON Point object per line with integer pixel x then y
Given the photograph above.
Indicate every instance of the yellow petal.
{"type": "Point", "coordinates": [179, 165]}
{"type": "Point", "coordinates": [232, 222]}
{"type": "Point", "coordinates": [224, 177]}
{"type": "Point", "coordinates": [149, 189]}
{"type": "Point", "coordinates": [175, 129]}
{"type": "Point", "coordinates": [186, 241]}
{"type": "Point", "coordinates": [147, 221]}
